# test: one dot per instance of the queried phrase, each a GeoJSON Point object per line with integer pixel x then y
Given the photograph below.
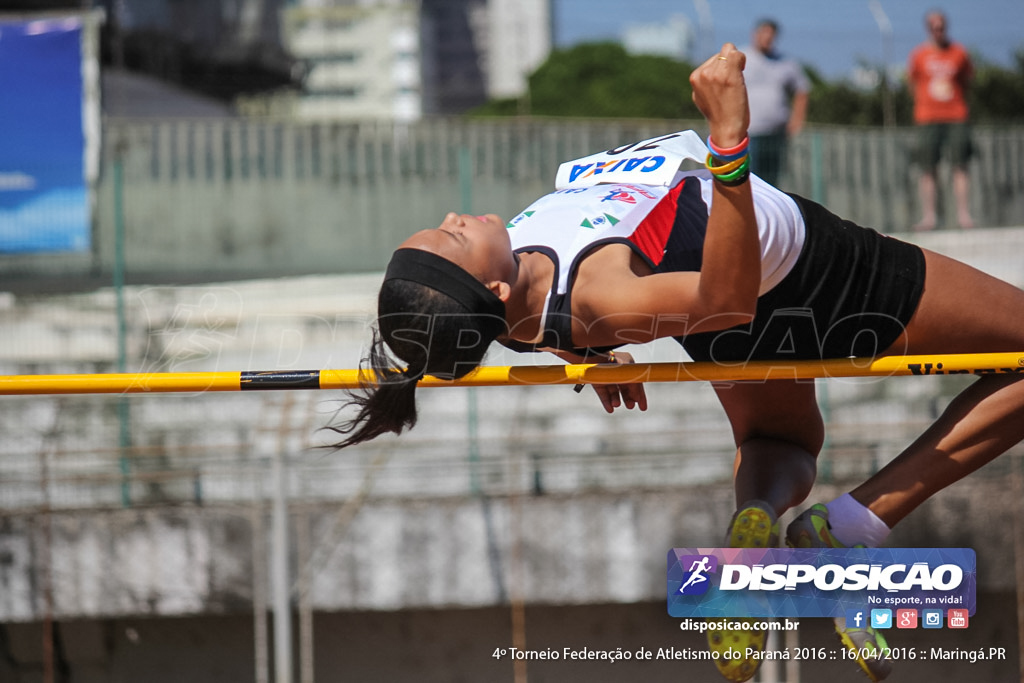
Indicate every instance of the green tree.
{"type": "Point", "coordinates": [997, 95]}
{"type": "Point", "coordinates": [842, 103]}
{"type": "Point", "coordinates": [603, 80]}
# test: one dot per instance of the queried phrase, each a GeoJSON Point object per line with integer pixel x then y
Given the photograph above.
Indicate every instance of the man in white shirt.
{"type": "Point", "coordinates": [777, 88]}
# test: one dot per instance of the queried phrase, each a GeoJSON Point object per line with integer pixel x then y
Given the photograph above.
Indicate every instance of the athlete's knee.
{"type": "Point", "coordinates": [778, 471]}
{"type": "Point", "coordinates": [792, 449]}
{"type": "Point", "coordinates": [804, 432]}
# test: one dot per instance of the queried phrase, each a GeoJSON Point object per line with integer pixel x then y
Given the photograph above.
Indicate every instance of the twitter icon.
{"type": "Point", "coordinates": [881, 618]}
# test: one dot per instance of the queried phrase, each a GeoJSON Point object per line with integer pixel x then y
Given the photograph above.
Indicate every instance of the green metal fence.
{"type": "Point", "coordinates": [204, 200]}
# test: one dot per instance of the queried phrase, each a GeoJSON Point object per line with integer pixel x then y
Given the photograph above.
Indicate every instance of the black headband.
{"type": "Point", "coordinates": [431, 270]}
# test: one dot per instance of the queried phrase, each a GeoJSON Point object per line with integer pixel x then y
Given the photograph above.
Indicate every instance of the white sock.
{"type": "Point", "coordinates": [853, 524]}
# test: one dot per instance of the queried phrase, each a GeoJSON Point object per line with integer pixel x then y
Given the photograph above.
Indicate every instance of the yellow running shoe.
{"type": "Point", "coordinates": [753, 526]}
{"type": "Point", "coordinates": [866, 639]}
{"type": "Point", "coordinates": [811, 530]}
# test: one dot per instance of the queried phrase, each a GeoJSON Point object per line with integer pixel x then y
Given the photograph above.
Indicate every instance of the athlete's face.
{"type": "Point", "coordinates": [480, 245]}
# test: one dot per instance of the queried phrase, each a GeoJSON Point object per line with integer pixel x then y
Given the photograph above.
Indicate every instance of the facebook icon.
{"type": "Point", "coordinates": [855, 618]}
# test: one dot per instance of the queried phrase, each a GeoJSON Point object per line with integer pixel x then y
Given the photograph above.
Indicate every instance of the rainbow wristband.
{"type": "Point", "coordinates": [731, 153]}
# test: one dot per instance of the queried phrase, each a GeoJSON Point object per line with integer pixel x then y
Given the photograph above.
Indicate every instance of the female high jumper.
{"type": "Point", "coordinates": [735, 270]}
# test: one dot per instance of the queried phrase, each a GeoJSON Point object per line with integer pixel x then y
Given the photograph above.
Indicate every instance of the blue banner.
{"type": "Point", "coordinates": [44, 197]}
{"type": "Point", "coordinates": [818, 582]}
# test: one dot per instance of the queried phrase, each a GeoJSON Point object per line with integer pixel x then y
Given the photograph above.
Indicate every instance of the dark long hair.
{"type": "Point", "coordinates": [428, 332]}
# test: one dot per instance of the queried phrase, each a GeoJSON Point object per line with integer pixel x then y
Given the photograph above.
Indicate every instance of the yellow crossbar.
{"type": "Point", "coordinates": [247, 380]}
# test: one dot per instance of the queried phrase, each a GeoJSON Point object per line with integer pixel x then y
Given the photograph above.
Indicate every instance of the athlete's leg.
{"type": "Point", "coordinates": [778, 431]}
{"type": "Point", "coordinates": [929, 147]}
{"type": "Point", "coordinates": [962, 311]}
{"type": "Point", "coordinates": [960, 151]}
{"type": "Point", "coordinates": [962, 194]}
{"type": "Point", "coordinates": [927, 194]}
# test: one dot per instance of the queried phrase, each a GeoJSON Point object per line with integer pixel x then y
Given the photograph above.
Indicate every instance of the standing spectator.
{"type": "Point", "coordinates": [940, 73]}
{"type": "Point", "coordinates": [777, 88]}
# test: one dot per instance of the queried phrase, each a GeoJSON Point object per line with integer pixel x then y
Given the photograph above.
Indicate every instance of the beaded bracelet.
{"type": "Point", "coordinates": [731, 153]}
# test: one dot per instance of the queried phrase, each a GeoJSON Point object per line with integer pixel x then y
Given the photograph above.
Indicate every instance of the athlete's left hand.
{"type": "Point", "coordinates": [615, 395]}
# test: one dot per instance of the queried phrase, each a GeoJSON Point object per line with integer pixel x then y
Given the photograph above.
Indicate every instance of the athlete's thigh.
{"type": "Point", "coordinates": [963, 310]}
{"type": "Point", "coordinates": [786, 410]}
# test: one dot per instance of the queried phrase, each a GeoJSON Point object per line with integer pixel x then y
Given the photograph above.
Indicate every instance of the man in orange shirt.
{"type": "Point", "coordinates": [940, 73]}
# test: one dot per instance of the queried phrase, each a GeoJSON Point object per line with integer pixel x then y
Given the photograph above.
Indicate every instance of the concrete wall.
{"type": "Point", "coordinates": [421, 590]}
{"type": "Point", "coordinates": [411, 554]}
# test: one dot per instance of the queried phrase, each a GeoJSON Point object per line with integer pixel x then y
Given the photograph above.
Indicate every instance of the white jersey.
{"type": "Point", "coordinates": [636, 195]}
{"type": "Point", "coordinates": [570, 222]}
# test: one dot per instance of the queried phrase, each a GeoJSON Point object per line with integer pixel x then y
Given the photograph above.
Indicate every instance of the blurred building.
{"type": "Point", "coordinates": [405, 59]}
{"type": "Point", "coordinates": [674, 38]}
{"type": "Point", "coordinates": [361, 61]}
{"type": "Point", "coordinates": [220, 48]}
{"type": "Point", "coordinates": [396, 60]}
{"type": "Point", "coordinates": [134, 95]}
{"type": "Point", "coordinates": [519, 40]}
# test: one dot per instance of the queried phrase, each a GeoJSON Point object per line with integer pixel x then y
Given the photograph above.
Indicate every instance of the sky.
{"type": "Point", "coordinates": [834, 36]}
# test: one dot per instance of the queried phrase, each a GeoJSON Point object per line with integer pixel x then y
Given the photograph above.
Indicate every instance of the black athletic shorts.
{"type": "Point", "coordinates": [954, 137]}
{"type": "Point", "coordinates": [850, 293]}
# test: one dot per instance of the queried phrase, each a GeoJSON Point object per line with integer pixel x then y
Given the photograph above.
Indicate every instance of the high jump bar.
{"type": "Point", "coordinates": [519, 375]}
